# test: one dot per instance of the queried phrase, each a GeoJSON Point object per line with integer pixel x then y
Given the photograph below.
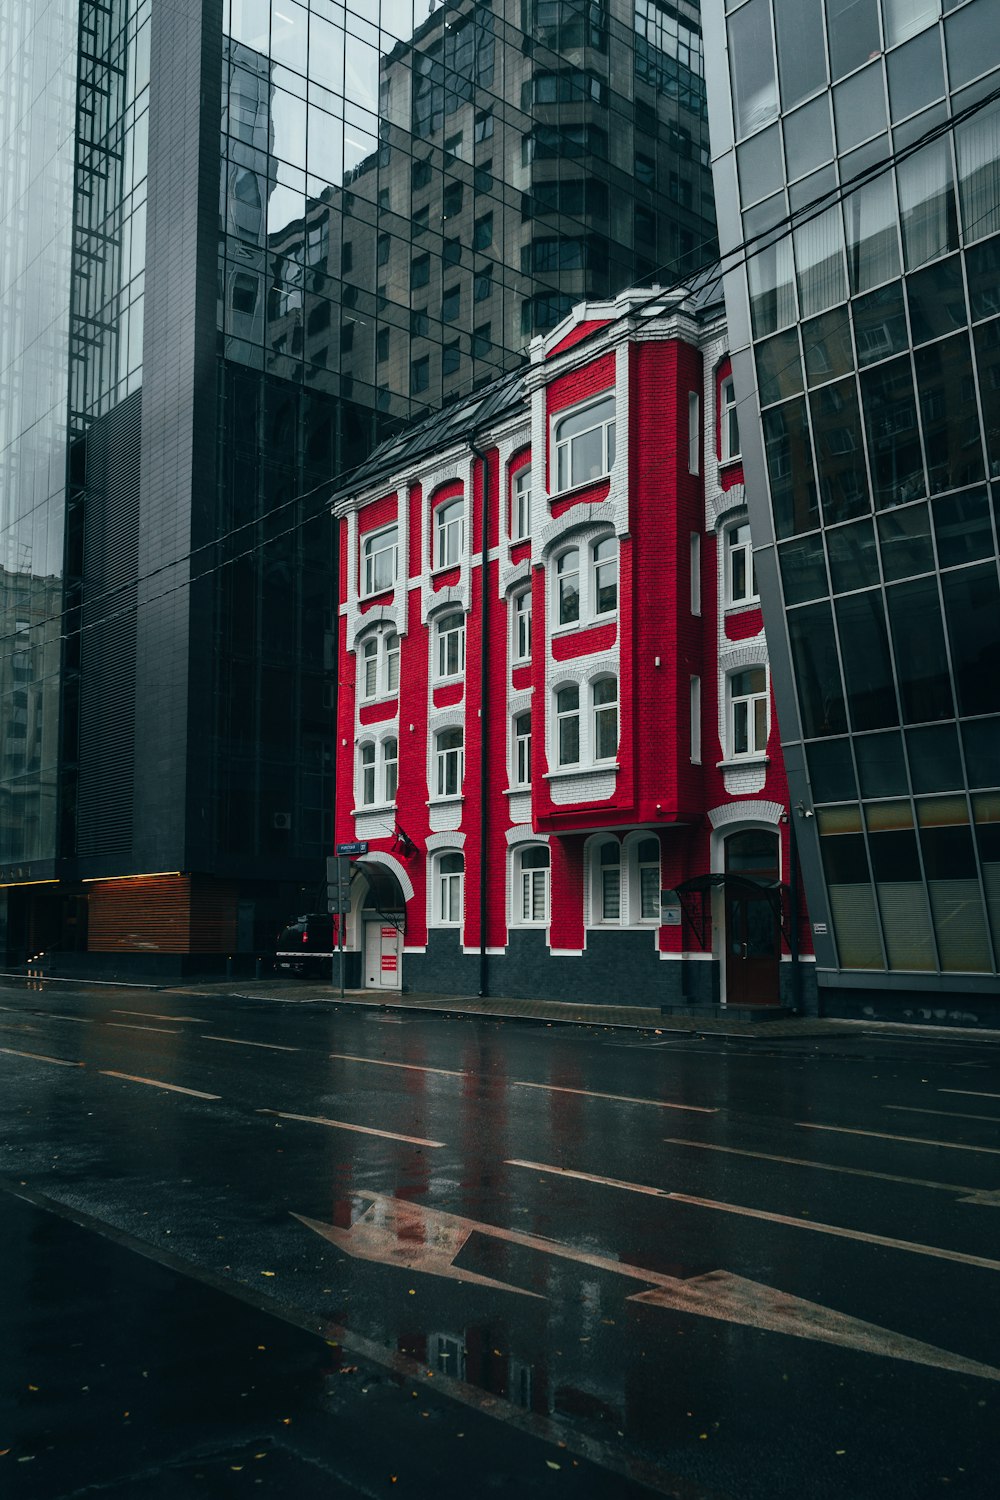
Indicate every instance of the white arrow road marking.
{"type": "Point", "coordinates": [392, 1232]}
{"type": "Point", "coordinates": [978, 1195]}
{"type": "Point", "coordinates": [838, 1230]}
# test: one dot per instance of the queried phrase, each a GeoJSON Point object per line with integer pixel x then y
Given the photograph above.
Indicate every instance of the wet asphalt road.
{"type": "Point", "coordinates": [302, 1250]}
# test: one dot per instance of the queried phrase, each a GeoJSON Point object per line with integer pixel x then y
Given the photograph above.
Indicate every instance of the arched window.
{"type": "Point", "coordinates": [449, 875]}
{"type": "Point", "coordinates": [748, 712]}
{"type": "Point", "coordinates": [390, 768]}
{"type": "Point", "coordinates": [391, 640]}
{"type": "Point", "coordinates": [379, 673]}
{"type": "Point", "coordinates": [521, 757]}
{"type": "Point", "coordinates": [647, 864]}
{"type": "Point", "coordinates": [522, 626]}
{"type": "Point", "coordinates": [584, 441]}
{"type": "Point", "coordinates": [568, 725]}
{"type": "Point", "coordinates": [605, 699]}
{"type": "Point", "coordinates": [609, 881]}
{"type": "Point", "coordinates": [449, 753]}
{"type": "Point", "coordinates": [449, 529]}
{"type": "Point", "coordinates": [531, 886]}
{"type": "Point", "coordinates": [568, 587]}
{"type": "Point", "coordinates": [380, 557]}
{"type": "Point", "coordinates": [367, 762]}
{"type": "Point", "coordinates": [521, 510]}
{"type": "Point", "coordinates": [369, 672]}
{"type": "Point", "coordinates": [450, 656]}
{"type": "Point", "coordinates": [604, 595]}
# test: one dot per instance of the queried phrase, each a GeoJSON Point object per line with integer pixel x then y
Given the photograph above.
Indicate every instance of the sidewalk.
{"type": "Point", "coordinates": [630, 1017]}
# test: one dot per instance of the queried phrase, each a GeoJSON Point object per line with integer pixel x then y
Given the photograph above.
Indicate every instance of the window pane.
{"type": "Point", "coordinates": [972, 609]}
{"type": "Point", "coordinates": [790, 471]}
{"type": "Point", "coordinates": [801, 61]}
{"type": "Point", "coordinates": [893, 443]}
{"type": "Point", "coordinates": [880, 324]}
{"type": "Point", "coordinates": [952, 884]}
{"type": "Point", "coordinates": [978, 144]}
{"type": "Point", "coordinates": [918, 646]}
{"type": "Point", "coordinates": [935, 762]}
{"type": "Point", "coordinates": [853, 31]}
{"type": "Point", "coordinates": [864, 649]}
{"type": "Point", "coordinates": [937, 300]}
{"type": "Point", "coordinates": [827, 345]}
{"type": "Point", "coordinates": [859, 107]}
{"type": "Point", "coordinates": [853, 556]}
{"type": "Point", "coordinates": [817, 672]}
{"type": "Point", "coordinates": [872, 243]}
{"type": "Point", "coordinates": [950, 414]}
{"type": "Point", "coordinates": [962, 528]}
{"type": "Point", "coordinates": [649, 893]}
{"type": "Point", "coordinates": [881, 767]}
{"type": "Point", "coordinates": [831, 771]}
{"type": "Point", "coordinates": [905, 542]}
{"type": "Point", "coordinates": [987, 338]}
{"type": "Point", "coordinates": [755, 92]}
{"type": "Point", "coordinates": [916, 75]}
{"type": "Point", "coordinates": [610, 894]}
{"type": "Point", "coordinates": [803, 569]}
{"type": "Point", "coordinates": [981, 740]}
{"type": "Point", "coordinates": [927, 205]}
{"type": "Point", "coordinates": [840, 452]}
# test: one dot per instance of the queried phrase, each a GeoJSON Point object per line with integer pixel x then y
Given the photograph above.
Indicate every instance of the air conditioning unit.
{"type": "Point", "coordinates": [281, 820]}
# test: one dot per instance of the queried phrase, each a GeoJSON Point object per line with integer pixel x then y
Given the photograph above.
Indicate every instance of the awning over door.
{"type": "Point", "coordinates": [385, 894]}
{"type": "Point", "coordinates": [694, 897]}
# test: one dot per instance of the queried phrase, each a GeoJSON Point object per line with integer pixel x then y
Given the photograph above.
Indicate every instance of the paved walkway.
{"type": "Point", "coordinates": [646, 1018]}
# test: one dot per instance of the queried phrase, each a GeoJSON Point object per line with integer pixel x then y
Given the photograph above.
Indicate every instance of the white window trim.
{"type": "Point", "coordinates": [516, 659]}
{"type": "Point", "coordinates": [726, 406]}
{"type": "Point", "coordinates": [586, 584]}
{"type": "Point", "coordinates": [516, 740]}
{"type": "Point", "coordinates": [439, 759]}
{"type": "Point", "coordinates": [378, 743]}
{"type": "Point", "coordinates": [603, 708]}
{"type": "Point", "coordinates": [435, 916]}
{"type": "Point", "coordinates": [753, 595]}
{"type": "Point", "coordinates": [556, 447]}
{"type": "Point", "coordinates": [520, 499]}
{"type": "Point", "coordinates": [517, 874]}
{"type": "Point", "coordinates": [630, 883]}
{"type": "Point", "coordinates": [439, 528]}
{"type": "Point", "coordinates": [383, 690]}
{"type": "Point", "coordinates": [694, 433]}
{"type": "Point", "coordinates": [757, 753]}
{"type": "Point", "coordinates": [368, 553]}
{"type": "Point", "coordinates": [586, 713]}
{"type": "Point", "coordinates": [437, 644]}
{"type": "Point", "coordinates": [695, 711]}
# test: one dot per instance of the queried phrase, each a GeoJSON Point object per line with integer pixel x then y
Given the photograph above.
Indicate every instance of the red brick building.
{"type": "Point", "coordinates": [566, 764]}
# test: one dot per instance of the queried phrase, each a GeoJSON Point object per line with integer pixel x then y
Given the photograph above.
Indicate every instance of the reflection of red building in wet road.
{"type": "Point", "coordinates": [580, 760]}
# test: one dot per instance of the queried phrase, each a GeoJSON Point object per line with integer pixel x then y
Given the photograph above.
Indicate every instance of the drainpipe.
{"type": "Point", "coordinates": [793, 914]}
{"type": "Point", "coordinates": [484, 958]}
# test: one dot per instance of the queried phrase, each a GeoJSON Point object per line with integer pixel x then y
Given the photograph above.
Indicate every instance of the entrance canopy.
{"type": "Point", "coordinates": [385, 894]}
{"type": "Point", "coordinates": [737, 885]}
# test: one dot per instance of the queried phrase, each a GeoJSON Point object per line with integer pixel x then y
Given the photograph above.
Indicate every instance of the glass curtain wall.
{"type": "Point", "coordinates": [38, 71]}
{"type": "Point", "coordinates": [867, 149]}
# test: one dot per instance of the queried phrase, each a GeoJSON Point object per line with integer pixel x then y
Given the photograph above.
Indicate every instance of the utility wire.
{"type": "Point", "coordinates": [739, 255]}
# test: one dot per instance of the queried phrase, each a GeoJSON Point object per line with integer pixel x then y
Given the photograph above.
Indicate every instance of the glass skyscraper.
{"type": "Point", "coordinates": [243, 241]}
{"type": "Point", "coordinates": [856, 152]}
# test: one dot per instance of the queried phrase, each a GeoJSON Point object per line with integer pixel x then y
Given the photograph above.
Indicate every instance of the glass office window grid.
{"type": "Point", "coordinates": [877, 348]}
{"type": "Point", "coordinates": [38, 65]}
{"type": "Point", "coordinates": [387, 172]}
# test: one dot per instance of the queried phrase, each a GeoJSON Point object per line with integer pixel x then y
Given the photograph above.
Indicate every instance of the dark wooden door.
{"type": "Point", "coordinates": [752, 950]}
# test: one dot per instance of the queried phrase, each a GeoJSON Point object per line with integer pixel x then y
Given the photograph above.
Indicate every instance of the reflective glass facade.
{"type": "Point", "coordinates": [859, 144]}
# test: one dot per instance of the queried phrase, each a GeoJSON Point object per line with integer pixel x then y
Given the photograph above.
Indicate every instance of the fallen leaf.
{"type": "Point", "coordinates": [260, 1455]}
{"type": "Point", "coordinates": [550, 1465]}
{"type": "Point", "coordinates": [412, 1294]}
{"type": "Point", "coordinates": [236, 1468]}
{"type": "Point", "coordinates": [267, 1273]}
{"type": "Point", "coordinates": [840, 1452]}
{"type": "Point", "coordinates": [32, 1388]}
{"type": "Point", "coordinates": [286, 1421]}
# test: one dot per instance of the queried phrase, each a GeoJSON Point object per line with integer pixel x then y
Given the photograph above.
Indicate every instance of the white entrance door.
{"type": "Point", "coordinates": [383, 956]}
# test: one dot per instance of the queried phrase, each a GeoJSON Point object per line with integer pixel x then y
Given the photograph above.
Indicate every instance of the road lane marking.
{"type": "Point", "coordinates": [975, 1093]}
{"type": "Point", "coordinates": [157, 1083]}
{"type": "Point", "coordinates": [155, 1015]}
{"type": "Point", "coordinates": [910, 1140]}
{"type": "Point", "coordinates": [556, 1088]}
{"type": "Point", "coordinates": [48, 1015]}
{"type": "Point", "coordinates": [397, 1232]}
{"type": "Point", "coordinates": [948, 1114]}
{"type": "Point", "coordinates": [823, 1166]}
{"type": "Point", "coordinates": [381, 1062]}
{"type": "Point", "coordinates": [236, 1041]}
{"type": "Point", "coordinates": [41, 1057]}
{"type": "Point", "coordinates": [936, 1252]}
{"type": "Point", "coordinates": [387, 1135]}
{"type": "Point", "coordinates": [520, 1083]}
{"type": "Point", "coordinates": [131, 1026]}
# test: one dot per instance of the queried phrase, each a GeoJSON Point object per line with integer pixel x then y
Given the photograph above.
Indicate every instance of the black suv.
{"type": "Point", "coordinates": [305, 947]}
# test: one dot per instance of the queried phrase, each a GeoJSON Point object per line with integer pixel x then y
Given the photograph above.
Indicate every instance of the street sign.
{"type": "Point", "coordinates": [359, 846]}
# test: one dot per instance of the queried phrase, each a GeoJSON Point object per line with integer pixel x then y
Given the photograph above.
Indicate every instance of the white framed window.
{"type": "Point", "coordinates": [609, 881]}
{"type": "Point", "coordinates": [521, 504]}
{"type": "Point", "coordinates": [521, 750]}
{"type": "Point", "coordinates": [380, 553]}
{"type": "Point", "coordinates": [748, 712]}
{"type": "Point", "coordinates": [586, 584]}
{"type": "Point", "coordinates": [729, 422]}
{"type": "Point", "coordinates": [605, 711]}
{"type": "Point", "coordinates": [522, 626]}
{"type": "Point", "coordinates": [390, 768]}
{"type": "Point", "coordinates": [694, 433]}
{"type": "Point", "coordinates": [532, 884]}
{"type": "Point", "coordinates": [696, 721]}
{"type": "Point", "coordinates": [741, 578]}
{"type": "Point", "coordinates": [449, 533]}
{"type": "Point", "coordinates": [568, 587]}
{"type": "Point", "coordinates": [604, 560]}
{"type": "Point", "coordinates": [379, 671]}
{"type": "Point", "coordinates": [584, 442]}
{"type": "Point", "coordinates": [449, 877]}
{"type": "Point", "coordinates": [568, 725]}
{"type": "Point", "coordinates": [695, 573]}
{"type": "Point", "coordinates": [449, 755]}
{"type": "Point", "coordinates": [450, 654]}
{"type": "Point", "coordinates": [647, 881]}
{"type": "Point", "coordinates": [366, 753]}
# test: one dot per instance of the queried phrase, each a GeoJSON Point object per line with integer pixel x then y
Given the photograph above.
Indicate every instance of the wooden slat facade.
{"type": "Point", "coordinates": [162, 914]}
